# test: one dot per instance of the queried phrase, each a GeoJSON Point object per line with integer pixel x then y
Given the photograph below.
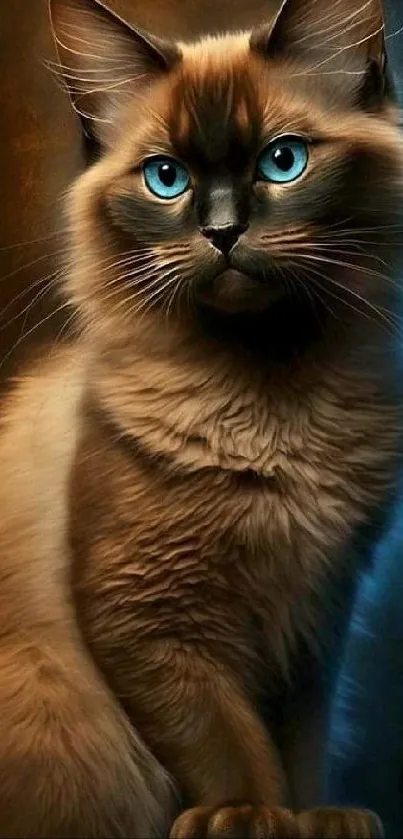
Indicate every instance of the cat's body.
{"type": "Point", "coordinates": [171, 563]}
{"type": "Point", "coordinates": [181, 488]}
{"type": "Point", "coordinates": [232, 498]}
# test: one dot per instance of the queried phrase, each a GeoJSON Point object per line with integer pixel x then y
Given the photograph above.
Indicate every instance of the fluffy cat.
{"type": "Point", "coordinates": [183, 486]}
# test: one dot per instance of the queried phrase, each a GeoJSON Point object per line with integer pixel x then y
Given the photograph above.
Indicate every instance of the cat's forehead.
{"type": "Point", "coordinates": [215, 109]}
{"type": "Point", "coordinates": [221, 105]}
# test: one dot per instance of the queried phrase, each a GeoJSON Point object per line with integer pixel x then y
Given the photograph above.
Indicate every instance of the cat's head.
{"type": "Point", "coordinates": [233, 172]}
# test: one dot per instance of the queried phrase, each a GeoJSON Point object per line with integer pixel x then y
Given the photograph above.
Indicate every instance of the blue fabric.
{"type": "Point", "coordinates": [394, 41]}
{"type": "Point", "coordinates": [365, 765]}
{"type": "Point", "coordinates": [365, 751]}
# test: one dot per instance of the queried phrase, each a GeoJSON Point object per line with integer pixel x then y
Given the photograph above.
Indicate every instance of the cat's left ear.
{"type": "Point", "coordinates": [335, 37]}
{"type": "Point", "coordinates": [104, 60]}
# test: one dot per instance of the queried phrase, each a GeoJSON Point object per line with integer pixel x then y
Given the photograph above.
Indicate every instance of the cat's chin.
{"type": "Point", "coordinates": [235, 292]}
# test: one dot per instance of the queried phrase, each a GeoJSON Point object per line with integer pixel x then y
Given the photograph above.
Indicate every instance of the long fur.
{"type": "Point", "coordinates": [182, 487]}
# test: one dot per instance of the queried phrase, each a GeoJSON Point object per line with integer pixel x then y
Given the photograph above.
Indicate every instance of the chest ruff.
{"type": "Point", "coordinates": [224, 524]}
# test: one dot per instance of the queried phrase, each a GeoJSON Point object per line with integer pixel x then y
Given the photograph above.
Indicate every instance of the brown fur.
{"type": "Point", "coordinates": [182, 487]}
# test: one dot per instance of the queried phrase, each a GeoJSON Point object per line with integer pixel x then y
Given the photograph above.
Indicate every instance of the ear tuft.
{"type": "Point", "coordinates": [104, 60]}
{"type": "Point", "coordinates": [330, 37]}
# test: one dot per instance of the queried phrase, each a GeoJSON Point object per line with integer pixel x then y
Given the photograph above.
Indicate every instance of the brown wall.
{"type": "Point", "coordinates": [40, 148]}
{"type": "Point", "coordinates": [39, 153]}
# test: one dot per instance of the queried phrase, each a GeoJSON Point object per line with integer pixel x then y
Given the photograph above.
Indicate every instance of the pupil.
{"type": "Point", "coordinates": [167, 174]}
{"type": "Point", "coordinates": [284, 158]}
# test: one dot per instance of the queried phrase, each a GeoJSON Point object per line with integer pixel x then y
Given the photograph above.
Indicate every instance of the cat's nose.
{"type": "Point", "coordinates": [225, 236]}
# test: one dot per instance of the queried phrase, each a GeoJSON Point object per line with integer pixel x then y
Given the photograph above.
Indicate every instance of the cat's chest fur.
{"type": "Point", "coordinates": [221, 519]}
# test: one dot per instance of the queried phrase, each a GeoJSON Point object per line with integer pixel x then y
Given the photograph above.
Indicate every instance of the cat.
{"type": "Point", "coordinates": [184, 483]}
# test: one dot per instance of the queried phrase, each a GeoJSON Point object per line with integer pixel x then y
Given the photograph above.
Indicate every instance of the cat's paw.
{"type": "Point", "coordinates": [333, 823]}
{"type": "Point", "coordinates": [235, 822]}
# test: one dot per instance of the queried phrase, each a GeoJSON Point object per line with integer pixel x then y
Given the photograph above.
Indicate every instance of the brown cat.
{"type": "Point", "coordinates": [181, 487]}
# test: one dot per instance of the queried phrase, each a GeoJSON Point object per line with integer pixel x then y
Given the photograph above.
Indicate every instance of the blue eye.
{"type": "Point", "coordinates": [284, 160]}
{"type": "Point", "coordinates": [165, 177]}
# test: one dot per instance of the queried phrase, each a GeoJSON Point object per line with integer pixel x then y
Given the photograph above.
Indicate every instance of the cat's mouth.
{"type": "Point", "coordinates": [232, 290]}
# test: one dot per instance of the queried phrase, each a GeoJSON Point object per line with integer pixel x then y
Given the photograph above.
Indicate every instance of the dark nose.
{"type": "Point", "coordinates": [224, 237]}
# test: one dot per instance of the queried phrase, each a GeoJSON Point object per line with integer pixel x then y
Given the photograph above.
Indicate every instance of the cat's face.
{"type": "Point", "coordinates": [238, 170]}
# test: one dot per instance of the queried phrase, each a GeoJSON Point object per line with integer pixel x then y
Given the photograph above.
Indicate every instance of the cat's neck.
{"type": "Point", "coordinates": [201, 402]}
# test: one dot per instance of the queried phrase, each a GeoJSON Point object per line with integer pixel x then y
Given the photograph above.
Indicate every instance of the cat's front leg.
{"type": "Point", "coordinates": [200, 724]}
{"type": "Point", "coordinates": [203, 728]}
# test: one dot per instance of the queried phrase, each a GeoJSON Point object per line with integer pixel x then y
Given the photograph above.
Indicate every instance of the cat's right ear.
{"type": "Point", "coordinates": [103, 60]}
{"type": "Point", "coordinates": [343, 39]}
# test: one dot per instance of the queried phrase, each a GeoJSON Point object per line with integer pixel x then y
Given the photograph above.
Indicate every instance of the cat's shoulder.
{"type": "Point", "coordinates": [39, 415]}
